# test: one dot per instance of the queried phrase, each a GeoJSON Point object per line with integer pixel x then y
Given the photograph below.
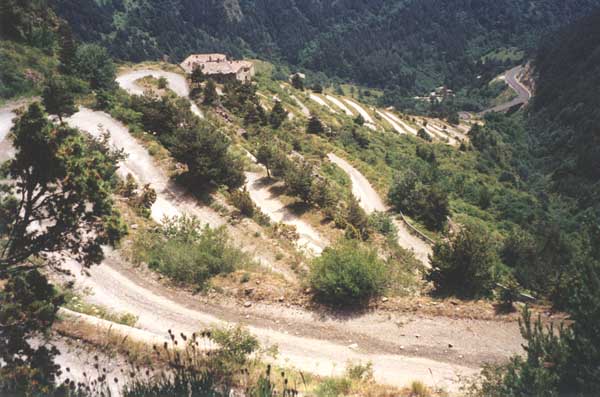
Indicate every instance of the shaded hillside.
{"type": "Point", "coordinates": [412, 44]}
{"type": "Point", "coordinates": [565, 110]}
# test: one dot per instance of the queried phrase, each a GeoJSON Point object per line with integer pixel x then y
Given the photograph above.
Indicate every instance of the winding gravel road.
{"type": "Point", "coordinates": [392, 122]}
{"type": "Point", "coordinates": [370, 201]}
{"type": "Point", "coordinates": [306, 341]}
{"type": "Point", "coordinates": [259, 187]}
{"type": "Point", "coordinates": [401, 122]}
{"type": "Point", "coordinates": [340, 105]}
{"type": "Point", "coordinates": [322, 102]}
{"type": "Point", "coordinates": [255, 184]}
{"type": "Point", "coordinates": [177, 83]}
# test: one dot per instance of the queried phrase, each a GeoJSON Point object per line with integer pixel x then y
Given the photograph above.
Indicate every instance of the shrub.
{"type": "Point", "coordinates": [418, 197]}
{"type": "Point", "coordinates": [278, 115]}
{"type": "Point", "coordinates": [419, 389]}
{"type": "Point", "coordinates": [322, 194]}
{"type": "Point", "coordinates": [315, 126]}
{"type": "Point", "coordinates": [359, 120]}
{"type": "Point", "coordinates": [130, 186]}
{"type": "Point", "coordinates": [383, 223]}
{"type": "Point", "coordinates": [347, 273]}
{"type": "Point", "coordinates": [242, 201]}
{"type": "Point", "coordinates": [465, 266]}
{"type": "Point", "coordinates": [298, 82]}
{"type": "Point", "coordinates": [298, 179]}
{"type": "Point", "coordinates": [188, 253]}
{"type": "Point", "coordinates": [360, 371]}
{"type": "Point", "coordinates": [333, 387]}
{"type": "Point", "coordinates": [424, 135]}
{"type": "Point", "coordinates": [162, 83]}
{"type": "Point", "coordinates": [507, 295]}
{"type": "Point", "coordinates": [357, 222]}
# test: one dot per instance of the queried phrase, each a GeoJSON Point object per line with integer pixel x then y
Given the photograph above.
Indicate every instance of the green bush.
{"type": "Point", "coordinates": [383, 223]}
{"type": "Point", "coordinates": [419, 197]}
{"type": "Point", "coordinates": [242, 201]}
{"type": "Point", "coordinates": [333, 387]}
{"type": "Point", "coordinates": [347, 273]}
{"type": "Point", "coordinates": [188, 253]}
{"type": "Point", "coordinates": [465, 266]}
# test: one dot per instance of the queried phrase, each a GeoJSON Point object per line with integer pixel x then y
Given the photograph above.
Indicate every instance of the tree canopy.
{"type": "Point", "coordinates": [61, 196]}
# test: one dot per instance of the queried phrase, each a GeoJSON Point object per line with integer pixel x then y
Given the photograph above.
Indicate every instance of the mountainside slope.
{"type": "Point", "coordinates": [415, 45]}
{"type": "Point", "coordinates": [565, 109]}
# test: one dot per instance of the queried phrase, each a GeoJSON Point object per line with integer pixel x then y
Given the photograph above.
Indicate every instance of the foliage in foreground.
{"type": "Point", "coordinates": [28, 305]}
{"type": "Point", "coordinates": [65, 180]}
{"type": "Point", "coordinates": [347, 273]}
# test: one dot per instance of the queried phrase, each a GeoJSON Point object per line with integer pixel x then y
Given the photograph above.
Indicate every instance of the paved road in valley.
{"type": "Point", "coordinates": [523, 93]}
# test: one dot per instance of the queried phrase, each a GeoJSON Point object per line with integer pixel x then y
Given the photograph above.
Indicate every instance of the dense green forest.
{"type": "Point", "coordinates": [566, 117]}
{"type": "Point", "coordinates": [411, 45]}
{"type": "Point", "coordinates": [561, 166]}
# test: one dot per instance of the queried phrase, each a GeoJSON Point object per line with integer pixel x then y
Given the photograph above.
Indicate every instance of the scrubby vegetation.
{"type": "Point", "coordinates": [187, 252]}
{"type": "Point", "coordinates": [466, 266]}
{"type": "Point", "coordinates": [347, 273]}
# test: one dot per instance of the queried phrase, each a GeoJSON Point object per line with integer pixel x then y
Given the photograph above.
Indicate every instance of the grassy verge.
{"type": "Point", "coordinates": [77, 304]}
{"type": "Point", "coordinates": [22, 70]}
{"type": "Point", "coordinates": [233, 356]}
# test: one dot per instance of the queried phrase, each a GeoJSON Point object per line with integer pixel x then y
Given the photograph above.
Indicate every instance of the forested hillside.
{"type": "Point", "coordinates": [562, 168]}
{"type": "Point", "coordinates": [566, 115]}
{"type": "Point", "coordinates": [411, 44]}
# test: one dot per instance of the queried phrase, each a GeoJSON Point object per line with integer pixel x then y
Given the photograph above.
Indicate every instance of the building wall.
{"type": "Point", "coordinates": [246, 74]}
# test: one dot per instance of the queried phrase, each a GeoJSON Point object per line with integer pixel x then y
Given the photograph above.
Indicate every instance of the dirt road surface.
{"type": "Point", "coordinates": [402, 123]}
{"type": "Point", "coordinates": [6, 122]}
{"type": "Point", "coordinates": [303, 108]}
{"type": "Point", "coordinates": [339, 104]}
{"type": "Point", "coordinates": [393, 123]}
{"type": "Point", "coordinates": [402, 348]}
{"type": "Point", "coordinates": [259, 188]}
{"type": "Point", "coordinates": [321, 102]}
{"type": "Point", "coordinates": [360, 110]}
{"type": "Point", "coordinates": [371, 201]}
{"type": "Point", "coordinates": [177, 83]}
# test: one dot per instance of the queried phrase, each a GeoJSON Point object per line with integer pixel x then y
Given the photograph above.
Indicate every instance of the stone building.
{"type": "Point", "coordinates": [219, 68]}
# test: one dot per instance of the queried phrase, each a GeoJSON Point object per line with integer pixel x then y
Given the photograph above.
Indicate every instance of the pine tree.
{"type": "Point", "coordinates": [278, 115]}
{"type": "Point", "coordinates": [197, 77]}
{"type": "Point", "coordinates": [297, 82]}
{"type": "Point", "coordinates": [314, 125]}
{"type": "Point", "coordinates": [210, 93]}
{"type": "Point", "coordinates": [359, 120]}
{"type": "Point", "coordinates": [358, 222]}
{"type": "Point", "coordinates": [265, 155]}
{"type": "Point", "coordinates": [58, 99]}
{"type": "Point", "coordinates": [68, 48]}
